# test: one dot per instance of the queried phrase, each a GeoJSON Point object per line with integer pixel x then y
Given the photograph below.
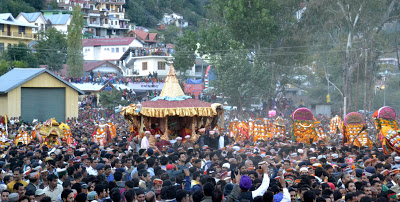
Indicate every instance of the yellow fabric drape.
{"type": "Point", "coordinates": [182, 112]}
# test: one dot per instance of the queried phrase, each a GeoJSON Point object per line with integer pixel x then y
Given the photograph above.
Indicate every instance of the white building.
{"type": "Point", "coordinates": [142, 61]}
{"type": "Point", "coordinates": [174, 19]}
{"type": "Point", "coordinates": [59, 21]}
{"type": "Point", "coordinates": [35, 18]}
{"type": "Point", "coordinates": [108, 48]}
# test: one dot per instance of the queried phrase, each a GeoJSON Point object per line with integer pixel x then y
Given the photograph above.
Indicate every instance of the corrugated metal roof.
{"type": "Point", "coordinates": [8, 19]}
{"type": "Point", "coordinates": [19, 76]}
{"type": "Point", "coordinates": [31, 17]}
{"type": "Point", "coordinates": [108, 41]}
{"type": "Point", "coordinates": [58, 19]}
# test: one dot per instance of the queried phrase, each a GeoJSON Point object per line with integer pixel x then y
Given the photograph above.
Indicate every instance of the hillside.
{"type": "Point", "coordinates": [148, 13]}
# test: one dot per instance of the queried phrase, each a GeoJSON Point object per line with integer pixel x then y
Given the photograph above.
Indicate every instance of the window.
{"type": "Point", "coordinates": [1, 46]}
{"type": "Point", "coordinates": [21, 29]}
{"type": "Point", "coordinates": [117, 50]}
{"type": "Point", "coordinates": [123, 50]}
{"type": "Point", "coordinates": [112, 50]}
{"type": "Point", "coordinates": [144, 65]}
{"type": "Point", "coordinates": [111, 22]}
{"type": "Point", "coordinates": [2, 27]}
{"type": "Point", "coordinates": [161, 65]}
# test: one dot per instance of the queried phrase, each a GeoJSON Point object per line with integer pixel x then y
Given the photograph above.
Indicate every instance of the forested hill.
{"type": "Point", "coordinates": [149, 13]}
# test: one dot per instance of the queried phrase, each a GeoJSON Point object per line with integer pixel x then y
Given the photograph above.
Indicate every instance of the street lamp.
{"type": "Point", "coordinates": [384, 94]}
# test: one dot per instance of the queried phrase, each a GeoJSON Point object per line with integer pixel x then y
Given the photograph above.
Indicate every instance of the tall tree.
{"type": "Point", "coordinates": [185, 52]}
{"type": "Point", "coordinates": [52, 49]}
{"type": "Point", "coordinates": [75, 56]}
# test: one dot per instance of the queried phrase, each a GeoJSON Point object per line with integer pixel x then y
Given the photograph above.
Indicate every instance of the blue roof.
{"type": "Point", "coordinates": [58, 19]}
{"type": "Point", "coordinates": [7, 18]}
{"type": "Point", "coordinates": [19, 76]}
{"type": "Point", "coordinates": [31, 17]}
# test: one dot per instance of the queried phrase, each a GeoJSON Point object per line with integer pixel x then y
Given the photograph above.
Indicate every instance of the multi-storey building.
{"type": "Point", "coordinates": [103, 18]}
{"type": "Point", "coordinates": [13, 31]}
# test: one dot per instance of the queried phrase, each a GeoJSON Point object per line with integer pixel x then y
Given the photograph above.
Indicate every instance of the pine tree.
{"type": "Point", "coordinates": [75, 56]}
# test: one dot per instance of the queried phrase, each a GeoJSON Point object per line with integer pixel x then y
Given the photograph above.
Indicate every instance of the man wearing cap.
{"type": "Point", "coordinates": [39, 194]}
{"type": "Point", "coordinates": [33, 182]}
{"type": "Point", "coordinates": [62, 175]}
{"type": "Point", "coordinates": [245, 185]}
{"type": "Point", "coordinates": [161, 144]}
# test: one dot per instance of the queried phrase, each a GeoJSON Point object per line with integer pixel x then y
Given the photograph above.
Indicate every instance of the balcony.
{"type": "Point", "coordinates": [111, 1]}
{"type": "Point", "coordinates": [16, 35]}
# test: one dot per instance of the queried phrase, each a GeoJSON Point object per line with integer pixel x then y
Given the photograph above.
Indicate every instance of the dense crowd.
{"type": "Point", "coordinates": [114, 79]}
{"type": "Point", "coordinates": [213, 169]}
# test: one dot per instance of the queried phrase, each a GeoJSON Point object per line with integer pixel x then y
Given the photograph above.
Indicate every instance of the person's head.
{"type": "Point", "coordinates": [309, 196]}
{"type": "Point", "coordinates": [350, 197]}
{"type": "Point", "coordinates": [207, 189]}
{"type": "Point", "coordinates": [46, 199]}
{"type": "Point", "coordinates": [350, 186]}
{"type": "Point", "coordinates": [17, 174]}
{"type": "Point", "coordinates": [293, 194]}
{"type": "Point", "coordinates": [182, 157]}
{"type": "Point", "coordinates": [377, 185]}
{"type": "Point", "coordinates": [67, 195]}
{"type": "Point", "coordinates": [23, 199]}
{"type": "Point", "coordinates": [101, 190]}
{"type": "Point", "coordinates": [367, 191]}
{"type": "Point", "coordinates": [140, 197]}
{"type": "Point", "coordinates": [346, 178]}
{"type": "Point", "coordinates": [115, 195]}
{"type": "Point", "coordinates": [107, 169]}
{"type": "Point", "coordinates": [4, 195]}
{"type": "Point", "coordinates": [151, 197]}
{"type": "Point", "coordinates": [268, 196]}
{"type": "Point", "coordinates": [19, 189]}
{"type": "Point", "coordinates": [52, 180]}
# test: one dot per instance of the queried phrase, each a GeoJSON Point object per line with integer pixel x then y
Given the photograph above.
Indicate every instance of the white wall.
{"type": "Point", "coordinates": [40, 21]}
{"type": "Point", "coordinates": [152, 65]}
{"type": "Point", "coordinates": [107, 52]}
{"type": "Point", "coordinates": [106, 70]}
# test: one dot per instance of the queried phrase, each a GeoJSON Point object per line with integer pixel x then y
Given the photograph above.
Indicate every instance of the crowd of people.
{"type": "Point", "coordinates": [113, 78]}
{"type": "Point", "coordinates": [213, 169]}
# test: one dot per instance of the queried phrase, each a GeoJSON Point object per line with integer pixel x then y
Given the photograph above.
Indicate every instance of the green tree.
{"type": "Point", "coordinates": [170, 34]}
{"type": "Point", "coordinates": [185, 52]}
{"type": "Point", "coordinates": [20, 55]}
{"type": "Point", "coordinates": [74, 41]}
{"type": "Point", "coordinates": [52, 49]}
{"type": "Point", "coordinates": [3, 67]}
{"type": "Point", "coordinates": [15, 7]}
{"type": "Point", "coordinates": [111, 99]}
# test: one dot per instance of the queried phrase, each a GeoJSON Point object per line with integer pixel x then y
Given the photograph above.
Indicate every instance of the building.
{"type": "Point", "coordinates": [102, 67]}
{"type": "Point", "coordinates": [174, 19]}
{"type": "Point", "coordinates": [103, 18]}
{"type": "Point", "coordinates": [13, 31]}
{"type": "Point", "coordinates": [36, 93]}
{"type": "Point", "coordinates": [35, 18]}
{"type": "Point", "coordinates": [143, 61]}
{"type": "Point", "coordinates": [60, 22]}
{"type": "Point", "coordinates": [148, 39]}
{"type": "Point", "coordinates": [108, 49]}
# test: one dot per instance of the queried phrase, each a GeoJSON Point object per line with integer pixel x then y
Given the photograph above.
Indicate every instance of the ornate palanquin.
{"type": "Point", "coordinates": [303, 126]}
{"type": "Point", "coordinates": [279, 128]}
{"type": "Point", "coordinates": [354, 132]}
{"type": "Point", "coordinates": [51, 133]}
{"type": "Point", "coordinates": [173, 104]}
{"type": "Point", "coordinates": [335, 125]}
{"type": "Point", "coordinates": [261, 130]}
{"type": "Point", "coordinates": [388, 129]}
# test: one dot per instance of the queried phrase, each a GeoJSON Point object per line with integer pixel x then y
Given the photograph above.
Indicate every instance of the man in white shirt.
{"type": "Point", "coordinates": [53, 190]}
{"type": "Point", "coordinates": [145, 140]}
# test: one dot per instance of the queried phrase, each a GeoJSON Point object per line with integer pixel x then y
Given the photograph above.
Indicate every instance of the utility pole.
{"type": "Point", "coordinates": [365, 82]}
